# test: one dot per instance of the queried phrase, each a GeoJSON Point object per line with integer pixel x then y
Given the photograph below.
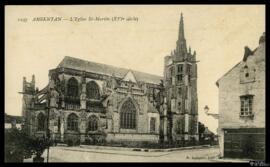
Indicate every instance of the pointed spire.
{"type": "Point", "coordinates": [181, 34]}
{"type": "Point", "coordinates": [181, 42]}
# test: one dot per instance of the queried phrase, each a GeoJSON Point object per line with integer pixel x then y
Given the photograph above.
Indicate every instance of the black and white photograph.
{"type": "Point", "coordinates": [134, 83]}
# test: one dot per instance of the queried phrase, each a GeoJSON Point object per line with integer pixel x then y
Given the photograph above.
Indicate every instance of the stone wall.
{"type": "Point", "coordinates": [230, 90]}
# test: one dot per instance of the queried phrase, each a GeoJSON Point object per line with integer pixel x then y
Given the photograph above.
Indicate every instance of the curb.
{"type": "Point", "coordinates": [146, 149]}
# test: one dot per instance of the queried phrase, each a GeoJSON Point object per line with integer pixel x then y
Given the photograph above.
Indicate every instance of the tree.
{"type": "Point", "coordinates": [19, 146]}
{"type": "Point", "coordinates": [201, 129]}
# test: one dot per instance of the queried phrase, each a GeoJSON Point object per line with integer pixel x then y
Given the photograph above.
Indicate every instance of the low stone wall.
{"type": "Point", "coordinates": [132, 137]}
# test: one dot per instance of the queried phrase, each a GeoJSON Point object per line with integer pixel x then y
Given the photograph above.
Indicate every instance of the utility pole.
{"type": "Point", "coordinates": [48, 127]}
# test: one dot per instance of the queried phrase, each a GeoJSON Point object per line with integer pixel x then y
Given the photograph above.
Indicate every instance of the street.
{"type": "Point", "coordinates": [78, 154]}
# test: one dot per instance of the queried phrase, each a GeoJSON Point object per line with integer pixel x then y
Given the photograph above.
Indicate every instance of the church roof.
{"type": "Point", "coordinates": [88, 66]}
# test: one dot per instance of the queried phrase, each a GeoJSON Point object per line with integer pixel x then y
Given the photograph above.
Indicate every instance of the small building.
{"type": "Point", "coordinates": [206, 136]}
{"type": "Point", "coordinates": [242, 107]}
{"type": "Point", "coordinates": [15, 121]}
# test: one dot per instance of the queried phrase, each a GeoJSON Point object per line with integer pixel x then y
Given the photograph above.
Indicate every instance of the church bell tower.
{"type": "Point", "coordinates": [180, 76]}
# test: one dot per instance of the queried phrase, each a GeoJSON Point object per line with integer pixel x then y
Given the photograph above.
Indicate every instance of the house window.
{"type": "Point", "coordinates": [246, 71]}
{"type": "Point", "coordinates": [246, 105]}
{"type": "Point", "coordinates": [92, 90]}
{"type": "Point", "coordinates": [128, 115]}
{"type": "Point", "coordinates": [41, 122]}
{"type": "Point", "coordinates": [72, 89]}
{"type": "Point", "coordinates": [247, 74]}
{"type": "Point", "coordinates": [152, 125]}
{"type": "Point", "coordinates": [72, 122]}
{"type": "Point", "coordinates": [93, 123]}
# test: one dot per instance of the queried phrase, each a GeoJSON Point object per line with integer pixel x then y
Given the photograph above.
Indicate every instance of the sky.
{"type": "Point", "coordinates": [218, 33]}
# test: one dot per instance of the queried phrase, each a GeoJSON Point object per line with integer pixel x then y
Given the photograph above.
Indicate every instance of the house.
{"type": "Point", "coordinates": [242, 106]}
{"type": "Point", "coordinates": [15, 121]}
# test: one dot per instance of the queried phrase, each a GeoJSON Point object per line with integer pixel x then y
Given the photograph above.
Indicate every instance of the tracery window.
{"type": "Point", "coordinates": [41, 122]}
{"type": "Point", "coordinates": [128, 115]}
{"type": "Point", "coordinates": [152, 125]}
{"type": "Point", "coordinates": [72, 87]}
{"type": "Point", "coordinates": [93, 123]}
{"type": "Point", "coordinates": [72, 122]}
{"type": "Point", "coordinates": [92, 90]}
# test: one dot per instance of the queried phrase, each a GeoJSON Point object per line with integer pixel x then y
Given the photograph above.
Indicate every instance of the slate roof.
{"type": "Point", "coordinates": [88, 66]}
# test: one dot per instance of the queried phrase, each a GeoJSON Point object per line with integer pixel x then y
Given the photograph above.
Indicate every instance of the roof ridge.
{"type": "Point", "coordinates": [108, 65]}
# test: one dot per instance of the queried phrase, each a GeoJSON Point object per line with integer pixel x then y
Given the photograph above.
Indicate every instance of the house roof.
{"type": "Point", "coordinates": [247, 53]}
{"type": "Point", "coordinates": [88, 66]}
{"type": "Point", "coordinates": [10, 118]}
{"type": "Point", "coordinates": [217, 82]}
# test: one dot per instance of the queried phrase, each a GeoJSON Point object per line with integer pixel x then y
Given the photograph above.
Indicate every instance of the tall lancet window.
{"type": "Point", "coordinates": [93, 123]}
{"type": "Point", "coordinates": [128, 115]}
{"type": "Point", "coordinates": [72, 87]}
{"type": "Point", "coordinates": [72, 122]}
{"type": "Point", "coordinates": [179, 74]}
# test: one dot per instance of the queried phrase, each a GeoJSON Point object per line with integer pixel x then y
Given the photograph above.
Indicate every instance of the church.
{"type": "Point", "coordinates": [89, 102]}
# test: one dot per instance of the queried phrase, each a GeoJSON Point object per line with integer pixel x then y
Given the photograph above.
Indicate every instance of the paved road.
{"type": "Point", "coordinates": [77, 154]}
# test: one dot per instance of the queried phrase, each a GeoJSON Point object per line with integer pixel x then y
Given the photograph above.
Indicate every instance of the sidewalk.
{"type": "Point", "coordinates": [228, 160]}
{"type": "Point", "coordinates": [145, 149]}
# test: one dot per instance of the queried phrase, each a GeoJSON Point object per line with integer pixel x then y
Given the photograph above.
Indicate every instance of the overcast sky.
{"type": "Point", "coordinates": [217, 33]}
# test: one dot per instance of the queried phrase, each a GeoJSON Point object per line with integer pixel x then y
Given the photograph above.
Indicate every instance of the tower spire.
{"type": "Point", "coordinates": [181, 35]}
{"type": "Point", "coordinates": [181, 42]}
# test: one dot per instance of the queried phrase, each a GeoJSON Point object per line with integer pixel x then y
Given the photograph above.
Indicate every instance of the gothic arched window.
{"type": "Point", "coordinates": [72, 122]}
{"type": "Point", "coordinates": [93, 123]}
{"type": "Point", "coordinates": [92, 90]}
{"type": "Point", "coordinates": [41, 122]}
{"type": "Point", "coordinates": [72, 87]}
{"type": "Point", "coordinates": [128, 115]}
